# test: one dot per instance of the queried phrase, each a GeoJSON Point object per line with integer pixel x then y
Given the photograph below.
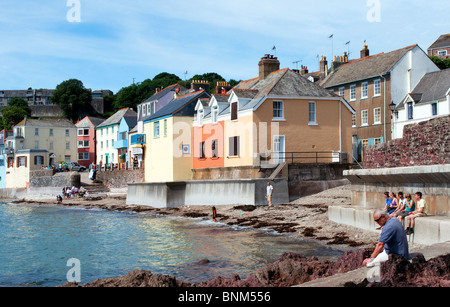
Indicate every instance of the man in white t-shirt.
{"type": "Point", "coordinates": [269, 193]}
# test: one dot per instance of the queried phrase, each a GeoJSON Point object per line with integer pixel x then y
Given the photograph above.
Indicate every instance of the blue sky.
{"type": "Point", "coordinates": [118, 41]}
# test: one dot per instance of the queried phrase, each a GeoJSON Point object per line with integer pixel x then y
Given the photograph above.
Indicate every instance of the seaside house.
{"type": "Point", "coordinates": [58, 136]}
{"type": "Point", "coordinates": [86, 140]}
{"type": "Point", "coordinates": [374, 83]}
{"type": "Point", "coordinates": [441, 47]}
{"type": "Point", "coordinates": [20, 165]}
{"type": "Point", "coordinates": [168, 155]}
{"type": "Point", "coordinates": [277, 117]}
{"type": "Point", "coordinates": [121, 144]}
{"type": "Point", "coordinates": [106, 135]}
{"type": "Point", "coordinates": [429, 99]}
{"type": "Point", "coordinates": [3, 160]}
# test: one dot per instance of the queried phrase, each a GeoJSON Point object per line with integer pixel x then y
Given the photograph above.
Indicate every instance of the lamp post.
{"type": "Point", "coordinates": [392, 106]}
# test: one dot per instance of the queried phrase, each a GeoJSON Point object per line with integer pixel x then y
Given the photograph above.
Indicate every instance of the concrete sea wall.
{"type": "Point", "coordinates": [210, 192]}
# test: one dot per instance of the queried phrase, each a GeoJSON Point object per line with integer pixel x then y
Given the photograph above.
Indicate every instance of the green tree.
{"type": "Point", "coordinates": [13, 115]}
{"type": "Point", "coordinates": [441, 63]}
{"type": "Point", "coordinates": [72, 97]}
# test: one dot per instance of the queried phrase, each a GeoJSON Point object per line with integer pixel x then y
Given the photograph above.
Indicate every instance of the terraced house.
{"type": "Point", "coordinates": [277, 117]}
{"type": "Point", "coordinates": [373, 84]}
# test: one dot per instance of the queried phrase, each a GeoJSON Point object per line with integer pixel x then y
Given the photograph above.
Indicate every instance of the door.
{"type": "Point", "coordinates": [279, 143]}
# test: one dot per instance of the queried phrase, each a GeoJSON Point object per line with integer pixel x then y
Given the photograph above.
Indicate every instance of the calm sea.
{"type": "Point", "coordinates": [37, 242]}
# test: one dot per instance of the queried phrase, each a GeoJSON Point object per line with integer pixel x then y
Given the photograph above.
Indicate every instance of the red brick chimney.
{"type": "Point", "coordinates": [365, 52]}
{"type": "Point", "coordinates": [267, 65]}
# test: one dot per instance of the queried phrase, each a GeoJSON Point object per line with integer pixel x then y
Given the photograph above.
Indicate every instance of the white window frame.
{"type": "Point", "coordinates": [200, 115]}
{"type": "Point", "coordinates": [342, 92]}
{"type": "Point", "coordinates": [312, 113]}
{"type": "Point", "coordinates": [215, 114]}
{"type": "Point", "coordinates": [377, 87]}
{"type": "Point", "coordinates": [354, 121]}
{"type": "Point", "coordinates": [364, 118]}
{"type": "Point", "coordinates": [364, 90]}
{"type": "Point", "coordinates": [442, 53]}
{"type": "Point", "coordinates": [156, 130]}
{"type": "Point", "coordinates": [83, 144]}
{"type": "Point", "coordinates": [278, 109]}
{"type": "Point", "coordinates": [377, 116]}
{"type": "Point", "coordinates": [353, 92]}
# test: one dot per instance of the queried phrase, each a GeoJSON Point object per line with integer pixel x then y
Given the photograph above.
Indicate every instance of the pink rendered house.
{"type": "Point", "coordinates": [86, 140]}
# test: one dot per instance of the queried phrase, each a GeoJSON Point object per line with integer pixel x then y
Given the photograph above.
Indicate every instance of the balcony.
{"type": "Point", "coordinates": [138, 139]}
{"type": "Point", "coordinates": [119, 144]}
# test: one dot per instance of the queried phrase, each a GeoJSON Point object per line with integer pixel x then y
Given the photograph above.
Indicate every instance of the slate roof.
{"type": "Point", "coordinates": [46, 122]}
{"type": "Point", "coordinates": [365, 68]}
{"type": "Point", "coordinates": [89, 122]}
{"type": "Point", "coordinates": [182, 106]}
{"type": "Point", "coordinates": [117, 117]}
{"type": "Point", "coordinates": [164, 92]}
{"type": "Point", "coordinates": [431, 88]}
{"type": "Point", "coordinates": [442, 42]}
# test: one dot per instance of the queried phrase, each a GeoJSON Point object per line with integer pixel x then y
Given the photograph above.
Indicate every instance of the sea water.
{"type": "Point", "coordinates": [36, 244]}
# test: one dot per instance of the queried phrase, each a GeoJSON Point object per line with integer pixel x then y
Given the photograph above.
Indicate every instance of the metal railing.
{"type": "Point", "coordinates": [310, 157]}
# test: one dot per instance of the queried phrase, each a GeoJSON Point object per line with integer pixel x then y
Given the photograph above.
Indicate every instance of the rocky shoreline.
{"type": "Point", "coordinates": [305, 217]}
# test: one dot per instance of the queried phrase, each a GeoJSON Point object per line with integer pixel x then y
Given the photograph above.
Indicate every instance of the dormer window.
{"type": "Point", "coordinates": [200, 114]}
{"type": "Point", "coordinates": [234, 111]}
{"type": "Point", "coordinates": [215, 114]}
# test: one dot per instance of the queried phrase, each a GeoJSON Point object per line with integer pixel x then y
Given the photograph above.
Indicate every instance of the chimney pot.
{"type": "Point", "coordinates": [365, 52]}
{"type": "Point", "coordinates": [267, 65]}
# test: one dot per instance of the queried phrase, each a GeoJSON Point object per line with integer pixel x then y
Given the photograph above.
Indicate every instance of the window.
{"type": "Point", "coordinates": [83, 132]}
{"type": "Point", "coordinates": [365, 143]}
{"type": "Point", "coordinates": [156, 129]}
{"type": "Point", "coordinates": [377, 87]}
{"type": "Point", "coordinates": [215, 114]}
{"type": "Point", "coordinates": [442, 53]}
{"type": "Point", "coordinates": [364, 90]}
{"type": "Point", "coordinates": [22, 161]}
{"type": "Point", "coordinates": [410, 110]}
{"type": "Point", "coordinates": [234, 146]}
{"type": "Point", "coordinates": [215, 148]}
{"type": "Point", "coordinates": [10, 162]}
{"type": "Point", "coordinates": [67, 145]}
{"type": "Point", "coordinates": [364, 117]}
{"type": "Point", "coordinates": [123, 135]}
{"type": "Point", "coordinates": [434, 109]}
{"type": "Point", "coordinates": [234, 111]}
{"type": "Point", "coordinates": [342, 91]}
{"type": "Point", "coordinates": [67, 132]}
{"type": "Point", "coordinates": [312, 112]}
{"type": "Point", "coordinates": [36, 144]}
{"type": "Point", "coordinates": [50, 133]}
{"type": "Point", "coordinates": [101, 145]}
{"type": "Point", "coordinates": [378, 141]}
{"type": "Point", "coordinates": [354, 120]}
{"type": "Point", "coordinates": [165, 127]}
{"type": "Point", "coordinates": [51, 146]}
{"type": "Point", "coordinates": [107, 144]}
{"type": "Point", "coordinates": [352, 92]}
{"type": "Point", "coordinates": [36, 131]}
{"type": "Point", "coordinates": [377, 116]}
{"type": "Point", "coordinates": [200, 114]}
{"type": "Point", "coordinates": [202, 150]}
{"type": "Point", "coordinates": [83, 144]}
{"type": "Point", "coordinates": [278, 110]}
{"type": "Point", "coordinates": [83, 156]}
{"type": "Point", "coordinates": [67, 159]}
{"type": "Point", "coordinates": [38, 160]}
{"type": "Point", "coordinates": [112, 143]}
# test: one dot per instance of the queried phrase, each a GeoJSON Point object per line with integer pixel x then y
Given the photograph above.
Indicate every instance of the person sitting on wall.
{"type": "Point", "coordinates": [391, 202]}
{"type": "Point", "coordinates": [401, 204]}
{"type": "Point", "coordinates": [392, 240]}
{"type": "Point", "coordinates": [59, 199]}
{"type": "Point", "coordinates": [409, 207]}
{"type": "Point", "coordinates": [422, 210]}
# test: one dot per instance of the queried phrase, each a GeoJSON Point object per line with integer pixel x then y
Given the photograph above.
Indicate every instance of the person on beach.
{"type": "Point", "coordinates": [59, 199]}
{"type": "Point", "coordinates": [422, 210]}
{"type": "Point", "coordinates": [401, 204]}
{"type": "Point", "coordinates": [214, 213]}
{"type": "Point", "coordinates": [391, 202]}
{"type": "Point", "coordinates": [392, 240]}
{"type": "Point", "coordinates": [269, 193]}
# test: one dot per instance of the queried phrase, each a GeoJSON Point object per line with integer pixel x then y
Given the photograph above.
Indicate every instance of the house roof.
{"type": "Point", "coordinates": [442, 42]}
{"type": "Point", "coordinates": [46, 122]}
{"type": "Point", "coordinates": [365, 68]}
{"type": "Point", "coordinates": [182, 106]}
{"type": "Point", "coordinates": [281, 83]}
{"type": "Point", "coordinates": [117, 117]}
{"type": "Point", "coordinates": [432, 87]}
{"type": "Point", "coordinates": [164, 92]}
{"type": "Point", "coordinates": [89, 122]}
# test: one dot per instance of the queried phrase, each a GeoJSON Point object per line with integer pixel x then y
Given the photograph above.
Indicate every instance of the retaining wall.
{"type": "Point", "coordinates": [208, 193]}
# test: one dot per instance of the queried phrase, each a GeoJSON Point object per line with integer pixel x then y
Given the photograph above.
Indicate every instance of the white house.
{"type": "Point", "coordinates": [429, 99]}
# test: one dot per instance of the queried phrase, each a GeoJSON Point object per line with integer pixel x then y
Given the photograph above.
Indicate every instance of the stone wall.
{"type": "Point", "coordinates": [45, 178]}
{"type": "Point", "coordinates": [120, 178]}
{"type": "Point", "coordinates": [425, 143]}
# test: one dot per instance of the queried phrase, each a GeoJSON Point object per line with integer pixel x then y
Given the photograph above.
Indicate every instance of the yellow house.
{"type": "Point", "coordinates": [281, 116]}
{"type": "Point", "coordinates": [58, 136]}
{"type": "Point", "coordinates": [168, 154]}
